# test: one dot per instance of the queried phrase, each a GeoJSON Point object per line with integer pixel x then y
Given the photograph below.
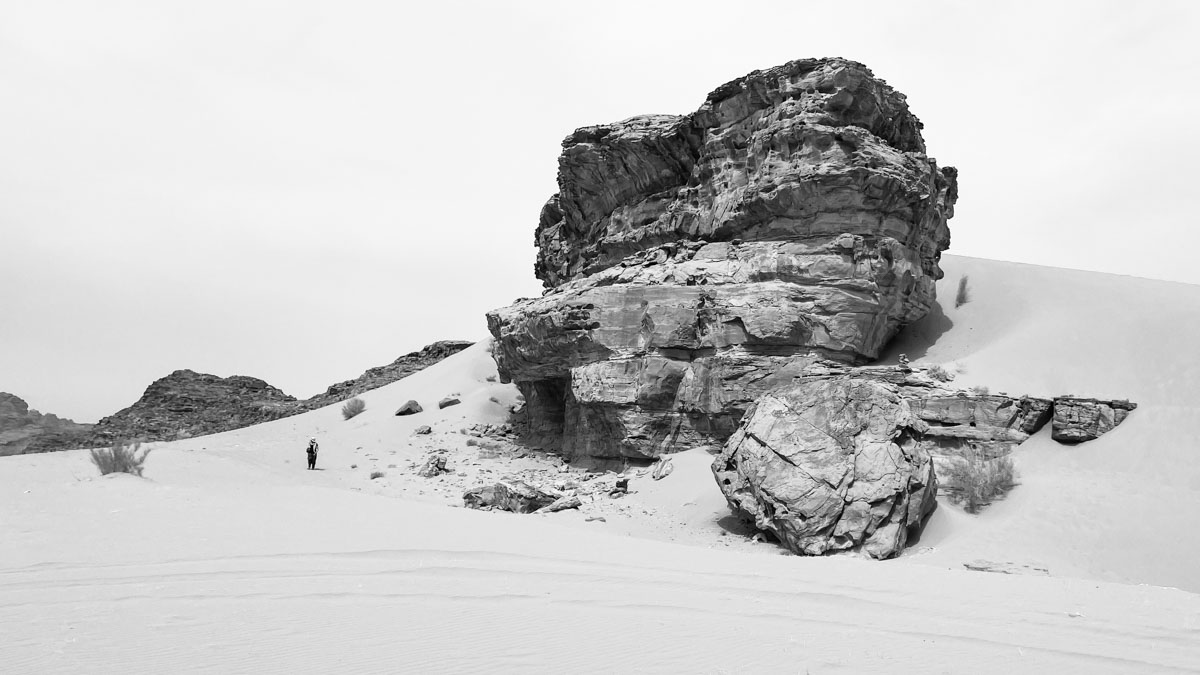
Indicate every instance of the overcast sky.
{"type": "Point", "coordinates": [301, 190]}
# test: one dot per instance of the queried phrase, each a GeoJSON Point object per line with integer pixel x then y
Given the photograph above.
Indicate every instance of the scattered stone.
{"type": "Point", "coordinates": [516, 496]}
{"type": "Point", "coordinates": [423, 430]}
{"type": "Point", "coordinates": [410, 408]}
{"type": "Point", "coordinates": [561, 504]}
{"type": "Point", "coordinates": [448, 401]}
{"type": "Point", "coordinates": [434, 465]}
{"type": "Point", "coordinates": [662, 468]}
{"type": "Point", "coordinates": [1077, 420]}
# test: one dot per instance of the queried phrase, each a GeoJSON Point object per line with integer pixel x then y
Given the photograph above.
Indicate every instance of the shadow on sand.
{"type": "Point", "coordinates": [915, 339]}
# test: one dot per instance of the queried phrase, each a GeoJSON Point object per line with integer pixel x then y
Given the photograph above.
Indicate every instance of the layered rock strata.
{"type": "Point", "coordinates": [1084, 419]}
{"type": "Point", "coordinates": [689, 259]}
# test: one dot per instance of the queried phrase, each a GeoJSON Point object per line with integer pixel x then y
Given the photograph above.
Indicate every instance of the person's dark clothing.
{"type": "Point", "coordinates": [312, 454]}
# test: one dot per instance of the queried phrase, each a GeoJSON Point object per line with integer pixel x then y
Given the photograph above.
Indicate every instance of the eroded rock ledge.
{"type": "Point", "coordinates": [689, 259]}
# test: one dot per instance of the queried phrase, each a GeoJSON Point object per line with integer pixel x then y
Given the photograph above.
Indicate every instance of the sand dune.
{"type": "Point", "coordinates": [230, 557]}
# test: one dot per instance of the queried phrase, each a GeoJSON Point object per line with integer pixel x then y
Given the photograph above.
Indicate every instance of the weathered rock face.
{"type": "Point", "coordinates": [831, 465]}
{"type": "Point", "coordinates": [186, 403]}
{"type": "Point", "coordinates": [396, 370]}
{"type": "Point", "coordinates": [690, 258]}
{"type": "Point", "coordinates": [22, 427]}
{"type": "Point", "coordinates": [1083, 419]}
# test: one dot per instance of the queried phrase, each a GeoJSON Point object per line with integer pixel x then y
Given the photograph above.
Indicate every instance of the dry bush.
{"type": "Point", "coordinates": [122, 457]}
{"type": "Point", "coordinates": [353, 407]}
{"type": "Point", "coordinates": [963, 296]}
{"type": "Point", "coordinates": [940, 374]}
{"type": "Point", "coordinates": [973, 482]}
{"type": "Point", "coordinates": [376, 474]}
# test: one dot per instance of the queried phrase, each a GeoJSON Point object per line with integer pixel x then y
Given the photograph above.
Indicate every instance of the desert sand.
{"type": "Point", "coordinates": [229, 556]}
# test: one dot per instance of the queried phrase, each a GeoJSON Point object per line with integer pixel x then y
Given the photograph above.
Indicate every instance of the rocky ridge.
{"type": "Point", "coordinates": [185, 403]}
{"type": "Point", "coordinates": [688, 259]}
{"type": "Point", "coordinates": [21, 426]}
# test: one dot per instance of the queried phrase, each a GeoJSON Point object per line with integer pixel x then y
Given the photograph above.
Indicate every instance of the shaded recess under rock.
{"type": "Point", "coordinates": [689, 259]}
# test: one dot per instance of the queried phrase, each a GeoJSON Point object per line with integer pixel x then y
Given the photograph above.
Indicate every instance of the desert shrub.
{"type": "Point", "coordinates": [491, 378]}
{"type": "Point", "coordinates": [963, 296]}
{"type": "Point", "coordinates": [376, 474]}
{"type": "Point", "coordinates": [973, 481]}
{"type": "Point", "coordinates": [353, 407]}
{"type": "Point", "coordinates": [940, 374]}
{"type": "Point", "coordinates": [122, 457]}
{"type": "Point", "coordinates": [493, 399]}
{"type": "Point", "coordinates": [980, 390]}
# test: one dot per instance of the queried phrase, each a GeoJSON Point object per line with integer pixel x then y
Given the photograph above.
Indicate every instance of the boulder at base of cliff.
{"type": "Point", "coordinates": [516, 496]}
{"type": "Point", "coordinates": [1084, 419]}
{"type": "Point", "coordinates": [830, 465]}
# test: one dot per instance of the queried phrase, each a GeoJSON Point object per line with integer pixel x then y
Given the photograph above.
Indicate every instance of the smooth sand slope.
{"type": "Point", "coordinates": [230, 557]}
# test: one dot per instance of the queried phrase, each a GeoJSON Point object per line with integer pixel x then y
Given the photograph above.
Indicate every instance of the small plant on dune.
{"type": "Point", "coordinates": [939, 373]}
{"type": "Point", "coordinates": [122, 457]}
{"type": "Point", "coordinates": [376, 474]}
{"type": "Point", "coordinates": [973, 481]}
{"type": "Point", "coordinates": [963, 296]}
{"type": "Point", "coordinates": [353, 407]}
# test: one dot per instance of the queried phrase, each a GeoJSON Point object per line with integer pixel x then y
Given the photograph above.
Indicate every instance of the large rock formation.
{"type": "Point", "coordinates": [831, 465]}
{"type": "Point", "coordinates": [688, 259]}
{"type": "Point", "coordinates": [21, 426]}
{"type": "Point", "coordinates": [186, 403]}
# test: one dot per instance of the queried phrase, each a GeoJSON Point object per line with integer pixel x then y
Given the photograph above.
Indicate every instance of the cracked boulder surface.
{"type": "Point", "coordinates": [1077, 420]}
{"type": "Point", "coordinates": [831, 465]}
{"type": "Point", "coordinates": [689, 260]}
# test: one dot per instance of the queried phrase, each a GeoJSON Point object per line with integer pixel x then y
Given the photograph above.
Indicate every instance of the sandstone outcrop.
{"type": "Point", "coordinates": [23, 429]}
{"type": "Point", "coordinates": [689, 259]}
{"type": "Point", "coordinates": [831, 465]}
{"type": "Point", "coordinates": [1083, 419]}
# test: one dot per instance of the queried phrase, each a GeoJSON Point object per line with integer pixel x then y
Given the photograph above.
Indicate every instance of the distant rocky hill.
{"type": "Point", "coordinates": [21, 426]}
{"type": "Point", "coordinates": [186, 404]}
{"type": "Point", "coordinates": [377, 377]}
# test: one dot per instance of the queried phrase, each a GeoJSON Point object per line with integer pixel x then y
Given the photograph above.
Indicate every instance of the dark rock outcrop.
{"type": "Point", "coordinates": [1083, 419]}
{"type": "Point", "coordinates": [23, 429]}
{"type": "Point", "coordinates": [689, 259]}
{"type": "Point", "coordinates": [396, 370]}
{"type": "Point", "coordinates": [831, 465]}
{"type": "Point", "coordinates": [185, 404]}
{"type": "Point", "coordinates": [513, 495]}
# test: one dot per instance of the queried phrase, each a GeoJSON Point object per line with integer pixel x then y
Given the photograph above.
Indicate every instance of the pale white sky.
{"type": "Point", "coordinates": [300, 190]}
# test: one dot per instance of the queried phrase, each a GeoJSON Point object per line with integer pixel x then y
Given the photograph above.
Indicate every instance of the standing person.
{"type": "Point", "coordinates": [312, 453]}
